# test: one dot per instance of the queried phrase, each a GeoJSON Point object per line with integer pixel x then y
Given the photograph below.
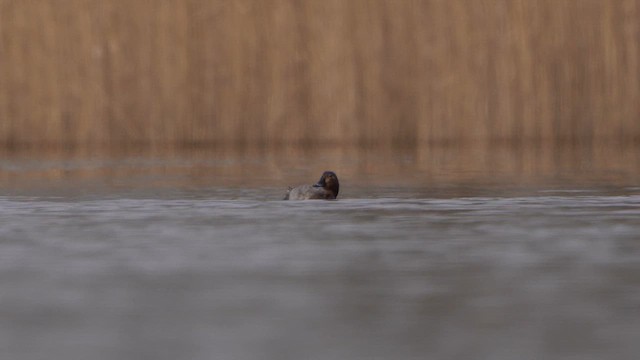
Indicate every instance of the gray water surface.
{"type": "Point", "coordinates": [553, 274]}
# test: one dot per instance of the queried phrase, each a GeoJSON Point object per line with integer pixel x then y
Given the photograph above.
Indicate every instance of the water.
{"type": "Point", "coordinates": [155, 271]}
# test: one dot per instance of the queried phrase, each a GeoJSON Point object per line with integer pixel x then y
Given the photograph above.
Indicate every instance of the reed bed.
{"type": "Point", "coordinates": [156, 73]}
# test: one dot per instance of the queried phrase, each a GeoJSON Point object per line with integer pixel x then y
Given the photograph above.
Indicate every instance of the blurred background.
{"type": "Point", "coordinates": [488, 153]}
{"type": "Point", "coordinates": [558, 80]}
{"type": "Point", "coordinates": [87, 74]}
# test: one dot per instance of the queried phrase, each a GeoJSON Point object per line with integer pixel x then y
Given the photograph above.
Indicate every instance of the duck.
{"type": "Point", "coordinates": [325, 189]}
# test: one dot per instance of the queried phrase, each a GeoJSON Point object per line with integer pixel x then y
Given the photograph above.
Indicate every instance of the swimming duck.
{"type": "Point", "coordinates": [325, 189]}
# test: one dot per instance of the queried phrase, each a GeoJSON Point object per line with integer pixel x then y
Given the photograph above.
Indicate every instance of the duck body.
{"type": "Point", "coordinates": [308, 192]}
{"type": "Point", "coordinates": [326, 188]}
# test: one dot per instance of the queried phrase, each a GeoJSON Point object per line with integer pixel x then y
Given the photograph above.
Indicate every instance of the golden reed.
{"type": "Point", "coordinates": [91, 73]}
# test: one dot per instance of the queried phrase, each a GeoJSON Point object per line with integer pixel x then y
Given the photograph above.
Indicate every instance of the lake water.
{"type": "Point", "coordinates": [196, 257]}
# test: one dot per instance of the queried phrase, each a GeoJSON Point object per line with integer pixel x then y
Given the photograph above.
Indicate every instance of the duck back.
{"type": "Point", "coordinates": [307, 192]}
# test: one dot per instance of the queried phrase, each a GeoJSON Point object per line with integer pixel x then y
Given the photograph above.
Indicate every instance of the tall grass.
{"type": "Point", "coordinates": [270, 72]}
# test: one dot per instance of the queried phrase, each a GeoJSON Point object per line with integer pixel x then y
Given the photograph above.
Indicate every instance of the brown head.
{"type": "Point", "coordinates": [329, 182]}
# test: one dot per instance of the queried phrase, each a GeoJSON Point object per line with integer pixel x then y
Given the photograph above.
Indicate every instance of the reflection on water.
{"type": "Point", "coordinates": [427, 167]}
{"type": "Point", "coordinates": [192, 256]}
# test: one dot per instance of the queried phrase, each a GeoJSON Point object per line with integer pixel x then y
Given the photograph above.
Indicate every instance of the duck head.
{"type": "Point", "coordinates": [329, 182]}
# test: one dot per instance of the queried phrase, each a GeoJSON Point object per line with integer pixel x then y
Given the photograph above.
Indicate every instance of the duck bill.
{"type": "Point", "coordinates": [321, 183]}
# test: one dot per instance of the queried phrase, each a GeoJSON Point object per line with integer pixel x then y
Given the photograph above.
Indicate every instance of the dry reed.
{"type": "Point", "coordinates": [91, 73]}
